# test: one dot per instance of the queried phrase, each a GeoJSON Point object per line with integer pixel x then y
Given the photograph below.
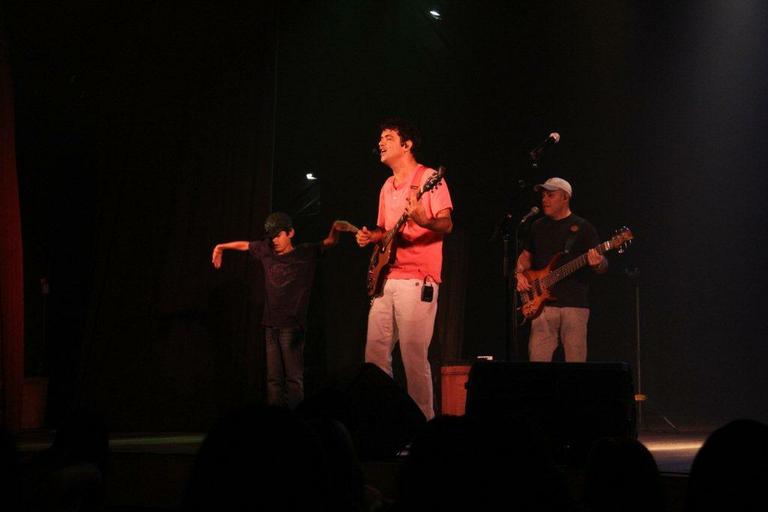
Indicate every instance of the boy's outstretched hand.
{"type": "Point", "coordinates": [337, 227]}
{"type": "Point", "coordinates": [342, 225]}
{"type": "Point", "coordinates": [216, 258]}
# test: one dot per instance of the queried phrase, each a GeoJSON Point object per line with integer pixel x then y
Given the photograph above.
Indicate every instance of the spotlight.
{"type": "Point", "coordinates": [310, 176]}
{"type": "Point", "coordinates": [435, 14]}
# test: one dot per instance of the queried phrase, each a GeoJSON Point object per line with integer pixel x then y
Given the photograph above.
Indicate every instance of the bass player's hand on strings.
{"type": "Point", "coordinates": [522, 282]}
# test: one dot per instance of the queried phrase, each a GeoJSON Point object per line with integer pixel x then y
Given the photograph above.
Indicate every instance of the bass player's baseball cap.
{"type": "Point", "coordinates": [555, 184]}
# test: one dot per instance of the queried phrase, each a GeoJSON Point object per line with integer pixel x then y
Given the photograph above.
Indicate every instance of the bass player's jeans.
{"type": "Point", "coordinates": [555, 325]}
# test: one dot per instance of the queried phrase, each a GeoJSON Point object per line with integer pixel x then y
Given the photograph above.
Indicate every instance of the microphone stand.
{"type": "Point", "coordinates": [640, 396]}
{"type": "Point", "coordinates": [510, 282]}
{"type": "Point", "coordinates": [510, 290]}
{"type": "Point", "coordinates": [512, 305]}
{"type": "Point", "coordinates": [510, 298]}
{"type": "Point", "coordinates": [513, 299]}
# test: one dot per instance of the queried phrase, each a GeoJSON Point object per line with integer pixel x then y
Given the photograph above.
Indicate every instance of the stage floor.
{"type": "Point", "coordinates": [674, 452]}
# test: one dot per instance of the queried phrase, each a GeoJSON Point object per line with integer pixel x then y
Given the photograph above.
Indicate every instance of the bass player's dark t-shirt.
{"type": "Point", "coordinates": [287, 282]}
{"type": "Point", "coordinates": [549, 237]}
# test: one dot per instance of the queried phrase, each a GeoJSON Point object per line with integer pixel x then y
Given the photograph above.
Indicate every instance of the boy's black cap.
{"type": "Point", "coordinates": [277, 222]}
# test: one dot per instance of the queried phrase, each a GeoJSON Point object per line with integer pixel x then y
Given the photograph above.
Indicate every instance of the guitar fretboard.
{"type": "Point", "coordinates": [572, 266]}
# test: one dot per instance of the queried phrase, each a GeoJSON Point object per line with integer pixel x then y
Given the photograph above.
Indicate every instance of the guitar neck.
{"type": "Point", "coordinates": [572, 266]}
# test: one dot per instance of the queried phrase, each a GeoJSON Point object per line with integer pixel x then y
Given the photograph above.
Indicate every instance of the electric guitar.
{"type": "Point", "coordinates": [543, 280]}
{"type": "Point", "coordinates": [384, 250]}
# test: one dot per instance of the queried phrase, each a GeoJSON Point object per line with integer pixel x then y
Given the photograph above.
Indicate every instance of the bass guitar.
{"type": "Point", "coordinates": [543, 280]}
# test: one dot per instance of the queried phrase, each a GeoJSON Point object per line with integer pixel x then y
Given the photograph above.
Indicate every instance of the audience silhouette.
{"type": "Point", "coordinates": [10, 488]}
{"type": "Point", "coordinates": [730, 471]}
{"type": "Point", "coordinates": [621, 474]}
{"type": "Point", "coordinates": [69, 475]}
{"type": "Point", "coordinates": [468, 463]}
{"type": "Point", "coordinates": [267, 458]}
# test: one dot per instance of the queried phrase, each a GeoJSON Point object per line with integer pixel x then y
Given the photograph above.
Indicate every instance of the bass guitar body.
{"type": "Point", "coordinates": [533, 300]}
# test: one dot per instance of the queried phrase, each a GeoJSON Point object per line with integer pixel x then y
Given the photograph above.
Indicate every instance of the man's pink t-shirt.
{"type": "Point", "coordinates": [419, 250]}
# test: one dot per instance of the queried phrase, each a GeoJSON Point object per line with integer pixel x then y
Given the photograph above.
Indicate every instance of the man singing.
{"type": "Point", "coordinates": [403, 312]}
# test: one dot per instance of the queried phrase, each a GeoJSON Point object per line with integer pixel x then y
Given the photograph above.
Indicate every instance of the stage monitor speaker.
{"type": "Point", "coordinates": [572, 404]}
{"type": "Point", "coordinates": [379, 414]}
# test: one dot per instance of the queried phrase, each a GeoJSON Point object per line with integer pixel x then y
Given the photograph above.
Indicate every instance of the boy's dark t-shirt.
{"type": "Point", "coordinates": [549, 237]}
{"type": "Point", "coordinates": [287, 282]}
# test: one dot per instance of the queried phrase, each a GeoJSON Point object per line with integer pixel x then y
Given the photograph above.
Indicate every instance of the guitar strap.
{"type": "Point", "coordinates": [575, 228]}
{"type": "Point", "coordinates": [416, 180]}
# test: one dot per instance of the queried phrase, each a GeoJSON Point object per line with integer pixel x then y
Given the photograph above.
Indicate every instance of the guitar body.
{"type": "Point", "coordinates": [382, 257]}
{"type": "Point", "coordinates": [533, 300]}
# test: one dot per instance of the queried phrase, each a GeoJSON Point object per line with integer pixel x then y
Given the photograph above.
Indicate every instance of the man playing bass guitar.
{"type": "Point", "coordinates": [563, 319]}
{"type": "Point", "coordinates": [405, 308]}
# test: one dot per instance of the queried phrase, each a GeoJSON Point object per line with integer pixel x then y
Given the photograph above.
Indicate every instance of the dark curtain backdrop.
{"type": "Point", "coordinates": [149, 133]}
{"type": "Point", "coordinates": [172, 110]}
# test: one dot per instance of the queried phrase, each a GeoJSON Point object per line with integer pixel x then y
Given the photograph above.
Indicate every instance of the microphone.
{"type": "Point", "coordinates": [534, 211]}
{"type": "Point", "coordinates": [553, 138]}
{"type": "Point", "coordinates": [376, 150]}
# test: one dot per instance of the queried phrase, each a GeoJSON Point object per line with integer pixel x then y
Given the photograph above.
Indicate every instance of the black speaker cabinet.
{"type": "Point", "coordinates": [571, 404]}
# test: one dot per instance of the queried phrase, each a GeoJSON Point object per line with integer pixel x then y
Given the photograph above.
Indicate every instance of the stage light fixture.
{"type": "Point", "coordinates": [435, 14]}
{"type": "Point", "coordinates": [310, 176]}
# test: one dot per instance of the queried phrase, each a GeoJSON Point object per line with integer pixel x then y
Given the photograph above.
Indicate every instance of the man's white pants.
{"type": "Point", "coordinates": [400, 315]}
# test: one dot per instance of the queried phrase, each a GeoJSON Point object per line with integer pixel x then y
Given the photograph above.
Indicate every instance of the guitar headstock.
{"type": "Point", "coordinates": [435, 180]}
{"type": "Point", "coordinates": [622, 239]}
